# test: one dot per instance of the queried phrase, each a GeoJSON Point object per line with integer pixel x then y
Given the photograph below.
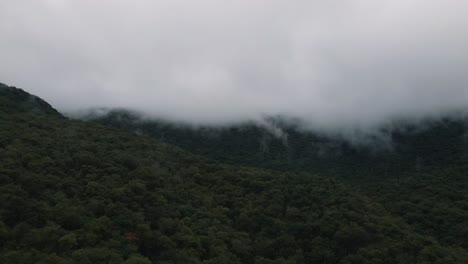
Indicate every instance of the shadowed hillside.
{"type": "Point", "coordinates": [15, 99]}
{"type": "Point", "coordinates": [416, 168]}
{"type": "Point", "coordinates": [77, 192]}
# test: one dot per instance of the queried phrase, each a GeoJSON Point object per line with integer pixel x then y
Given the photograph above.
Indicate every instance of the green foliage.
{"type": "Point", "coordinates": [76, 192]}
{"type": "Point", "coordinates": [416, 170]}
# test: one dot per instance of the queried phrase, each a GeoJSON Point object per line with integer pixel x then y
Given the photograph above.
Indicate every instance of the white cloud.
{"type": "Point", "coordinates": [327, 62]}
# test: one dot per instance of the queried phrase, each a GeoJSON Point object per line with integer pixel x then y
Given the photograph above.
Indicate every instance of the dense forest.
{"type": "Point", "coordinates": [284, 144]}
{"type": "Point", "coordinates": [81, 192]}
{"type": "Point", "coordinates": [415, 168]}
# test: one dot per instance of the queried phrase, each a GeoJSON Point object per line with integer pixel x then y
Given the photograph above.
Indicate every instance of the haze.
{"type": "Point", "coordinates": [330, 63]}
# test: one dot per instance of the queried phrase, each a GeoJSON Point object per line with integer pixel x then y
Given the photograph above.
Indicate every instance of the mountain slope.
{"type": "Point", "coordinates": [282, 144]}
{"type": "Point", "coordinates": [407, 166]}
{"type": "Point", "coordinates": [77, 192]}
{"type": "Point", "coordinates": [14, 99]}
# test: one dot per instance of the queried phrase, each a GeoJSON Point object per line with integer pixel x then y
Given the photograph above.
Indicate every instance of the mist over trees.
{"type": "Point", "coordinates": [79, 192]}
{"type": "Point", "coordinates": [229, 132]}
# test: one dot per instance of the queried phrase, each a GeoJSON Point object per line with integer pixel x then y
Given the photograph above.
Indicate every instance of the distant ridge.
{"type": "Point", "coordinates": [280, 144]}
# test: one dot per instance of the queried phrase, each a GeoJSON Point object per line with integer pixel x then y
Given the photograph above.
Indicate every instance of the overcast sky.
{"type": "Point", "coordinates": [327, 62]}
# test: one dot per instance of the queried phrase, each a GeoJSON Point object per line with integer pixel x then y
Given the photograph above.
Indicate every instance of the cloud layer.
{"type": "Point", "coordinates": [327, 62]}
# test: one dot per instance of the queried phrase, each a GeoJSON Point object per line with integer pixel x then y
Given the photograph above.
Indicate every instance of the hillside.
{"type": "Point", "coordinates": [417, 170]}
{"type": "Point", "coordinates": [78, 192]}
{"type": "Point", "coordinates": [283, 144]}
{"type": "Point", "coordinates": [13, 99]}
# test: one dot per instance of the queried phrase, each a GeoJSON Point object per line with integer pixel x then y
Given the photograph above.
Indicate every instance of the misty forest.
{"type": "Point", "coordinates": [118, 188]}
{"type": "Point", "coordinates": [234, 132]}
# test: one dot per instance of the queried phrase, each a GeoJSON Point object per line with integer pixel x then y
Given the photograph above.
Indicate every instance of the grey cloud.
{"type": "Point", "coordinates": [329, 63]}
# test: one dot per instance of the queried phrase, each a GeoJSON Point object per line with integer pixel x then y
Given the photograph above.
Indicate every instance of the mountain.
{"type": "Point", "coordinates": [283, 144]}
{"type": "Point", "coordinates": [16, 100]}
{"type": "Point", "coordinates": [416, 169]}
{"type": "Point", "coordinates": [79, 192]}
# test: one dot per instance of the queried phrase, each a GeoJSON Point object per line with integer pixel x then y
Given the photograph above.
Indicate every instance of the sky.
{"type": "Point", "coordinates": [329, 63]}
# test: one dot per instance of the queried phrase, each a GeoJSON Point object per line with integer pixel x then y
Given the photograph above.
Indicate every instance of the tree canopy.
{"type": "Point", "coordinates": [79, 192]}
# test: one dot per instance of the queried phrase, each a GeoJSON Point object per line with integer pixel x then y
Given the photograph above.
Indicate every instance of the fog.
{"type": "Point", "coordinates": [330, 63]}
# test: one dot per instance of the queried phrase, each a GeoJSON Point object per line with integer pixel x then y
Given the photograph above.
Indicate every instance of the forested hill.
{"type": "Point", "coordinates": [78, 192]}
{"type": "Point", "coordinates": [416, 169]}
{"type": "Point", "coordinates": [16, 100]}
{"type": "Point", "coordinates": [409, 146]}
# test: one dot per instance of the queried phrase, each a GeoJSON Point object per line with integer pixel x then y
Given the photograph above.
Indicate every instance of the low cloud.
{"type": "Point", "coordinates": [329, 63]}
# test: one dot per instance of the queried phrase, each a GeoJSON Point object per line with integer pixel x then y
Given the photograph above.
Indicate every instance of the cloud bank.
{"type": "Point", "coordinates": [327, 62]}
